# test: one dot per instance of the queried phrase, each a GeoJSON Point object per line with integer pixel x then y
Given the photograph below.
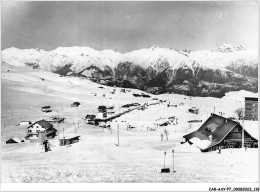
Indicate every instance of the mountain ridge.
{"type": "Point", "coordinates": [155, 69]}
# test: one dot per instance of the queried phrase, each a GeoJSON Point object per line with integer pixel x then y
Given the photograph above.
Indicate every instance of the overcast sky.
{"type": "Point", "coordinates": [126, 26]}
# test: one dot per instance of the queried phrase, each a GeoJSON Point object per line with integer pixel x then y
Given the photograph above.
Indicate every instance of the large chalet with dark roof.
{"type": "Point", "coordinates": [41, 126]}
{"type": "Point", "coordinates": [220, 132]}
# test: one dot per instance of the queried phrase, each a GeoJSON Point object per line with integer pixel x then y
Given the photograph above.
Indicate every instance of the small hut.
{"type": "Point", "coordinates": [194, 110]}
{"type": "Point", "coordinates": [54, 120]}
{"type": "Point", "coordinates": [69, 140]}
{"type": "Point", "coordinates": [46, 109]}
{"type": "Point", "coordinates": [75, 104]}
{"type": "Point", "coordinates": [25, 123]}
{"type": "Point", "coordinates": [102, 108]}
{"type": "Point", "coordinates": [90, 119]}
{"type": "Point", "coordinates": [15, 140]}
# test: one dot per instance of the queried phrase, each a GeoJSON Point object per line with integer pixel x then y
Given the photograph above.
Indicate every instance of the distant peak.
{"type": "Point", "coordinates": [155, 46]}
{"type": "Point", "coordinates": [187, 51]}
{"type": "Point", "coordinates": [227, 48]}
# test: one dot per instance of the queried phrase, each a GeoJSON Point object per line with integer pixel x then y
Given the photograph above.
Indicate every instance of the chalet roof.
{"type": "Point", "coordinates": [51, 131]}
{"type": "Point", "coordinates": [251, 98]}
{"type": "Point", "coordinates": [56, 119]}
{"type": "Point", "coordinates": [45, 124]}
{"type": "Point", "coordinates": [90, 116]}
{"type": "Point", "coordinates": [46, 107]}
{"type": "Point", "coordinates": [16, 139]}
{"type": "Point", "coordinates": [102, 107]}
{"type": "Point", "coordinates": [69, 137]}
{"type": "Point", "coordinates": [251, 127]}
{"type": "Point", "coordinates": [194, 108]}
{"type": "Point", "coordinates": [215, 129]}
{"type": "Point", "coordinates": [76, 103]}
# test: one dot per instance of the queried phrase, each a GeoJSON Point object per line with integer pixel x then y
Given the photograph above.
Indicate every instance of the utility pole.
{"type": "Point", "coordinates": [164, 160]}
{"type": "Point", "coordinates": [63, 136]}
{"type": "Point", "coordinates": [110, 127]}
{"type": "Point", "coordinates": [118, 134]}
{"type": "Point", "coordinates": [243, 129]}
{"type": "Point", "coordinates": [173, 161]}
{"type": "Point", "coordinates": [58, 130]}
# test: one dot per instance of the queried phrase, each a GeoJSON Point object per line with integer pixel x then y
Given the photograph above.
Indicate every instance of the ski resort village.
{"type": "Point", "coordinates": [129, 95]}
{"type": "Point", "coordinates": [65, 128]}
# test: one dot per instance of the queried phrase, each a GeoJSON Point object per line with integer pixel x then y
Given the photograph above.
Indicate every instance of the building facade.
{"type": "Point", "coordinates": [38, 127]}
{"type": "Point", "coordinates": [251, 108]}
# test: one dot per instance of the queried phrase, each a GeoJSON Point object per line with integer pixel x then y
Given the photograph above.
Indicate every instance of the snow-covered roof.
{"type": "Point", "coordinates": [216, 128]}
{"type": "Point", "coordinates": [17, 139]}
{"type": "Point", "coordinates": [45, 124]}
{"type": "Point", "coordinates": [70, 136]}
{"type": "Point", "coordinates": [200, 143]}
{"type": "Point", "coordinates": [251, 127]}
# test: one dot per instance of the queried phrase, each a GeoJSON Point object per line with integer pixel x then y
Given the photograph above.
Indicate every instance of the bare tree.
{"type": "Point", "coordinates": [239, 113]}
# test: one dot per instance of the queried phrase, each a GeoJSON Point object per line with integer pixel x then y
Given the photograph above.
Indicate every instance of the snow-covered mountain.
{"type": "Point", "coordinates": [155, 69]}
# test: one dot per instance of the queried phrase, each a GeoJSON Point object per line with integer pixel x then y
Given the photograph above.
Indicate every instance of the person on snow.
{"type": "Point", "coordinates": [46, 145]}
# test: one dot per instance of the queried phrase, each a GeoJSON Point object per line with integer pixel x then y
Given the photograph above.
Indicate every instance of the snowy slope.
{"type": "Point", "coordinates": [238, 96]}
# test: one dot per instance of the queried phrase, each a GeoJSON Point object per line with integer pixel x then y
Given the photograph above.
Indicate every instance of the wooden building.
{"type": "Point", "coordinates": [101, 115]}
{"type": "Point", "coordinates": [46, 109]}
{"type": "Point", "coordinates": [220, 132]}
{"type": "Point", "coordinates": [54, 120]}
{"type": "Point", "coordinates": [38, 127]}
{"type": "Point", "coordinates": [25, 123]}
{"type": "Point", "coordinates": [194, 110]}
{"type": "Point", "coordinates": [102, 108]}
{"type": "Point", "coordinates": [90, 119]}
{"type": "Point", "coordinates": [75, 104]}
{"type": "Point", "coordinates": [69, 140]}
{"type": "Point", "coordinates": [15, 140]}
